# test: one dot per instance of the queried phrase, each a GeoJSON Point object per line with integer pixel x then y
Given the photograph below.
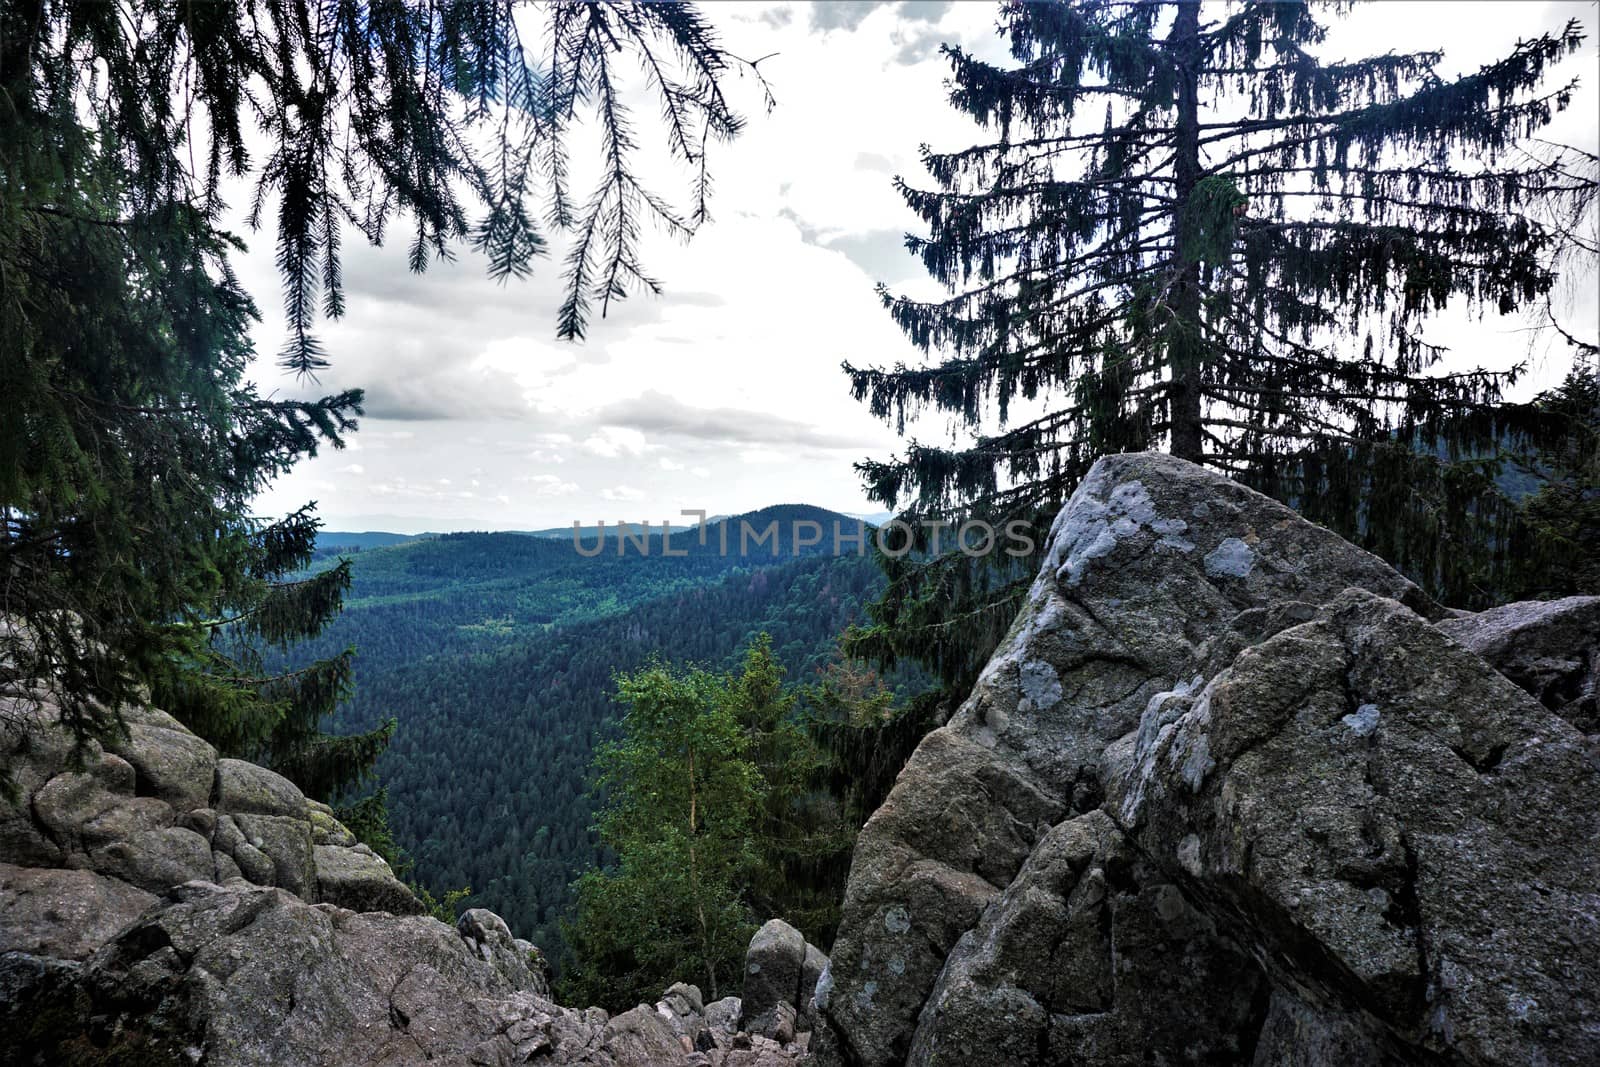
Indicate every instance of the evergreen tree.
{"type": "Point", "coordinates": [726, 804]}
{"type": "Point", "coordinates": [804, 833]}
{"type": "Point", "coordinates": [1562, 517]}
{"type": "Point", "coordinates": [133, 443]}
{"type": "Point", "coordinates": [1190, 232]}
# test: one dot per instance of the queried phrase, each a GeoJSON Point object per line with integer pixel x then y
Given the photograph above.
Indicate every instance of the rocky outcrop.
{"type": "Point", "coordinates": [160, 905]}
{"type": "Point", "coordinates": [1234, 791]}
{"type": "Point", "coordinates": [158, 808]}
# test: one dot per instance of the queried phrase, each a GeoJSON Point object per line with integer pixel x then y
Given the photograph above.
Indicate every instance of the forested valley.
{"type": "Point", "coordinates": [496, 654]}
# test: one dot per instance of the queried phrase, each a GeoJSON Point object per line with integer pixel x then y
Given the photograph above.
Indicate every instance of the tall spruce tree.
{"type": "Point", "coordinates": [1191, 232]}
{"type": "Point", "coordinates": [133, 443]}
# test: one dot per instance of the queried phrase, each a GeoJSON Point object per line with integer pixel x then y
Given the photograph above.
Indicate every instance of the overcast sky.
{"type": "Point", "coordinates": [725, 392]}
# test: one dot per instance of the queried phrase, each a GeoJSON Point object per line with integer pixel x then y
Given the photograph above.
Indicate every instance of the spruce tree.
{"type": "Point", "coordinates": [1561, 517]}
{"type": "Point", "coordinates": [132, 565]}
{"type": "Point", "coordinates": [1190, 232]}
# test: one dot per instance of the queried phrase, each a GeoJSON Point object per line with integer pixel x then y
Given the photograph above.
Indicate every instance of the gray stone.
{"type": "Point", "coordinates": [1549, 648]}
{"type": "Point", "coordinates": [772, 969]}
{"type": "Point", "coordinates": [641, 1035]}
{"type": "Point", "coordinates": [100, 798]}
{"type": "Point", "coordinates": [171, 763]}
{"type": "Point", "coordinates": [1445, 863]}
{"type": "Point", "coordinates": [488, 936]}
{"type": "Point", "coordinates": [240, 975]}
{"type": "Point", "coordinates": [243, 787]}
{"type": "Point", "coordinates": [693, 1000]}
{"type": "Point", "coordinates": [811, 969]}
{"type": "Point", "coordinates": [156, 859]}
{"type": "Point", "coordinates": [227, 836]}
{"type": "Point", "coordinates": [1157, 575]}
{"type": "Point", "coordinates": [254, 865]}
{"type": "Point", "coordinates": [286, 841]}
{"type": "Point", "coordinates": [225, 867]}
{"type": "Point", "coordinates": [723, 1015]}
{"type": "Point", "coordinates": [326, 830]}
{"type": "Point", "coordinates": [361, 883]}
{"type": "Point", "coordinates": [64, 914]}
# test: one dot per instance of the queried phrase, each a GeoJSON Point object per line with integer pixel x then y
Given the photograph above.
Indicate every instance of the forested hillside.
{"type": "Point", "coordinates": [496, 654]}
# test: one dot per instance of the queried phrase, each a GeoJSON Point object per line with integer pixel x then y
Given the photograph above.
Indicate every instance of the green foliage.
{"type": "Point", "coordinates": [781, 779]}
{"type": "Point", "coordinates": [1235, 263]}
{"type": "Point", "coordinates": [446, 910]}
{"type": "Point", "coordinates": [133, 444]}
{"type": "Point", "coordinates": [368, 819]}
{"type": "Point", "coordinates": [681, 798]}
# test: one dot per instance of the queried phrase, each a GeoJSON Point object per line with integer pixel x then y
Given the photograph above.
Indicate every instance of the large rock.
{"type": "Point", "coordinates": [1550, 648]}
{"type": "Point", "coordinates": [156, 859]}
{"type": "Point", "coordinates": [137, 926]}
{"type": "Point", "coordinates": [773, 965]}
{"type": "Point", "coordinates": [1091, 865]}
{"type": "Point", "coordinates": [489, 936]}
{"type": "Point", "coordinates": [1156, 573]}
{"type": "Point", "coordinates": [1363, 785]}
{"type": "Point", "coordinates": [361, 881]}
{"type": "Point", "coordinates": [243, 787]}
{"type": "Point", "coordinates": [1050, 974]}
{"type": "Point", "coordinates": [66, 914]}
{"type": "Point", "coordinates": [156, 808]}
{"type": "Point", "coordinates": [170, 762]}
{"type": "Point", "coordinates": [285, 840]}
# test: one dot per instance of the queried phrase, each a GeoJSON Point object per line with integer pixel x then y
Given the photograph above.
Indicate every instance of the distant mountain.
{"type": "Point", "coordinates": [334, 542]}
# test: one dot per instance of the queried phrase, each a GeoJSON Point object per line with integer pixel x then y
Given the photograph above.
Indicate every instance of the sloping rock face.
{"type": "Point", "coordinates": [1227, 795]}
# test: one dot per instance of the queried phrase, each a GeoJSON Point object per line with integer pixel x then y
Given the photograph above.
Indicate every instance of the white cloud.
{"type": "Point", "coordinates": [352, 468]}
{"type": "Point", "coordinates": [670, 464]}
{"type": "Point", "coordinates": [548, 485]}
{"type": "Point", "coordinates": [623, 492]}
{"type": "Point", "coordinates": [610, 442]}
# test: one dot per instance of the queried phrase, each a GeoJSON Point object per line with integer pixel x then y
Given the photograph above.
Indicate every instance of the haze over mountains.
{"type": "Point", "coordinates": [383, 530]}
{"type": "Point", "coordinates": [496, 653]}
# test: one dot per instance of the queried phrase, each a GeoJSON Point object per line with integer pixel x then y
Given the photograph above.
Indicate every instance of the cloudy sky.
{"type": "Point", "coordinates": [725, 392]}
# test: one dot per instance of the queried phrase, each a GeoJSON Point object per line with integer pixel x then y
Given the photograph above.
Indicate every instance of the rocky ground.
{"type": "Point", "coordinates": [164, 906]}
{"type": "Point", "coordinates": [1232, 791]}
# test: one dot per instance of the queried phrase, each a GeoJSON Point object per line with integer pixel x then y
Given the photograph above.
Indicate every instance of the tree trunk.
{"type": "Point", "coordinates": [694, 882]}
{"type": "Point", "coordinates": [1184, 345]}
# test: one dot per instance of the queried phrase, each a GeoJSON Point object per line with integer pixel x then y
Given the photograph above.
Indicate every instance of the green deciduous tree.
{"type": "Point", "coordinates": [682, 800]}
{"type": "Point", "coordinates": [1191, 232]}
{"type": "Point", "coordinates": [730, 799]}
